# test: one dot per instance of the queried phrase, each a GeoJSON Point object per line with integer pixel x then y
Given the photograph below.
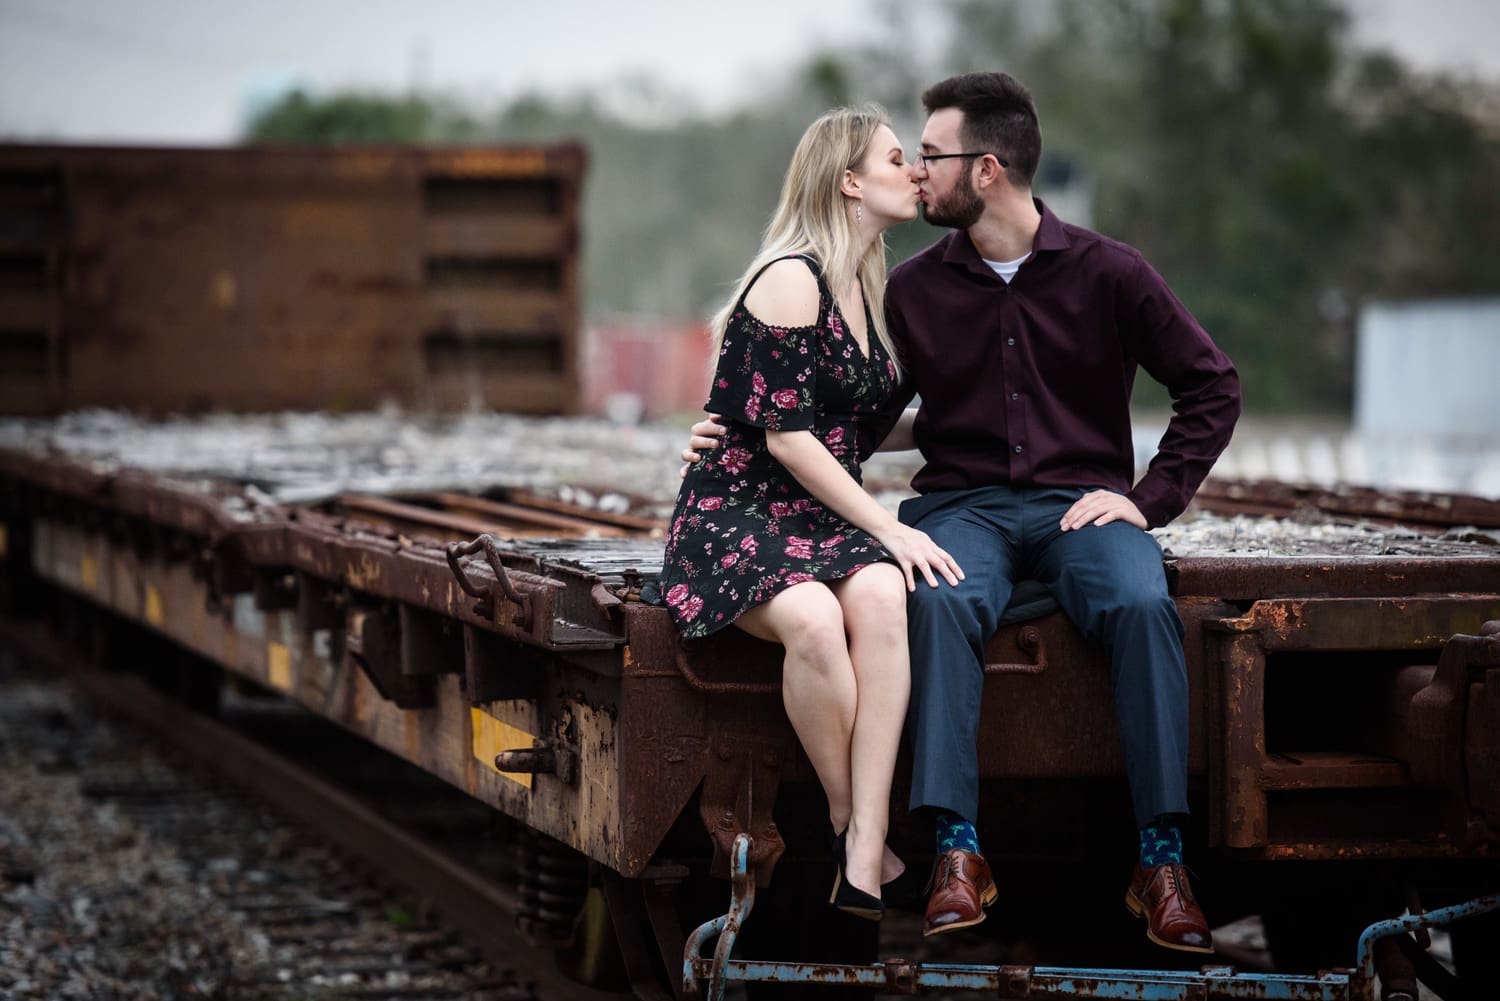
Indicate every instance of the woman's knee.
{"type": "Point", "coordinates": [810, 621]}
{"type": "Point", "coordinates": [875, 597]}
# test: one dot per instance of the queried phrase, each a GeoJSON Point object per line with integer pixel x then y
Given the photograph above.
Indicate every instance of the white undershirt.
{"type": "Point", "coordinates": [1007, 269]}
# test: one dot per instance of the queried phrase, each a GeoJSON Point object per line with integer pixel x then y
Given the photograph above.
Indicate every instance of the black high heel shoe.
{"type": "Point", "coordinates": [846, 896]}
{"type": "Point", "coordinates": [833, 847]}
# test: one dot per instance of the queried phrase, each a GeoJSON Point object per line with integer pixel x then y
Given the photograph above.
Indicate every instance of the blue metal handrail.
{"type": "Point", "coordinates": [1364, 959]}
{"type": "Point", "coordinates": [1211, 983]}
{"type": "Point", "coordinates": [726, 926]}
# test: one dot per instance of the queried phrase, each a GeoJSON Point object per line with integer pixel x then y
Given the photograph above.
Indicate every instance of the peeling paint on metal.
{"type": "Point", "coordinates": [279, 666]}
{"type": "Point", "coordinates": [491, 736]}
{"type": "Point", "coordinates": [154, 612]}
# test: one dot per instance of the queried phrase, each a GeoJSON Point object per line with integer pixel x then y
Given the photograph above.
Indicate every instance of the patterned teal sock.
{"type": "Point", "coordinates": [954, 831]}
{"type": "Point", "coordinates": [1161, 843]}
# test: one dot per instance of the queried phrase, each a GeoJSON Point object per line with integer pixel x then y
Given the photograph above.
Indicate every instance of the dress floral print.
{"type": "Point", "coordinates": [744, 529]}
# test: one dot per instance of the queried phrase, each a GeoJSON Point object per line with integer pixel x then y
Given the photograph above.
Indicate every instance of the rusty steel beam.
{"type": "Point", "coordinates": [533, 518]}
{"type": "Point", "coordinates": [566, 608]}
{"type": "Point", "coordinates": [408, 518]}
{"type": "Point", "coordinates": [450, 736]}
{"type": "Point", "coordinates": [1411, 508]}
{"type": "Point", "coordinates": [452, 517]}
{"type": "Point", "coordinates": [635, 523]}
{"type": "Point", "coordinates": [1420, 717]}
{"type": "Point", "coordinates": [1361, 624]}
{"type": "Point", "coordinates": [1249, 578]}
{"type": "Point", "coordinates": [140, 494]}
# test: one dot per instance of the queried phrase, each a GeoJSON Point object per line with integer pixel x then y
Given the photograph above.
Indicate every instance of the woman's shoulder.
{"type": "Point", "coordinates": [787, 294]}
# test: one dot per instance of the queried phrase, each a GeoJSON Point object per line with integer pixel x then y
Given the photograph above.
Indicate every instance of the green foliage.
{"type": "Point", "coordinates": [1276, 176]}
{"type": "Point", "coordinates": [671, 213]}
{"type": "Point", "coordinates": [360, 118]}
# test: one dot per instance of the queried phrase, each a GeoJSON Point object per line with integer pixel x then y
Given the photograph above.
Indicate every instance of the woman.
{"type": "Point", "coordinates": [772, 532]}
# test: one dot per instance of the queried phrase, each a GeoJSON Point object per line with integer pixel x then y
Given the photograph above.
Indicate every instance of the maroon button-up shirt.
{"type": "Point", "coordinates": [1029, 383]}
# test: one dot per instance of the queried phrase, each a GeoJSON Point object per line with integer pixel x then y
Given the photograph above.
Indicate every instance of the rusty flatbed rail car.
{"type": "Point", "coordinates": [1345, 710]}
{"type": "Point", "coordinates": [260, 278]}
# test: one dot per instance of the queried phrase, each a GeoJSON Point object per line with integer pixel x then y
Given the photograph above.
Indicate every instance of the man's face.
{"type": "Point", "coordinates": [947, 189]}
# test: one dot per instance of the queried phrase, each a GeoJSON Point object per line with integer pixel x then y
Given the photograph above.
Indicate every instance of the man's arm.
{"type": "Point", "coordinates": [1176, 351]}
{"type": "Point", "coordinates": [901, 437]}
{"type": "Point", "coordinates": [888, 430]}
{"type": "Point", "coordinates": [704, 437]}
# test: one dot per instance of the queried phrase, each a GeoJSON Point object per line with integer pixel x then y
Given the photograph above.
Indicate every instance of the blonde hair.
{"type": "Point", "coordinates": [811, 217]}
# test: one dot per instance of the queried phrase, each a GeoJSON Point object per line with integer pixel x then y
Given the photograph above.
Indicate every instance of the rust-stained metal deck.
{"type": "Point", "coordinates": [1333, 715]}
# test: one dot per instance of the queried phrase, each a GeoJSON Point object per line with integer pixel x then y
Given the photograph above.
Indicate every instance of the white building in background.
{"type": "Point", "coordinates": [1429, 368]}
{"type": "Point", "coordinates": [1427, 393]}
{"type": "Point", "coordinates": [1426, 412]}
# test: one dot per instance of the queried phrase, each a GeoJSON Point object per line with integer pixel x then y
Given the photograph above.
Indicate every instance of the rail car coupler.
{"type": "Point", "coordinates": [544, 758]}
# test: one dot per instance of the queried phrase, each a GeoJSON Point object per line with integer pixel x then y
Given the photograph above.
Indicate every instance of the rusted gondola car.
{"type": "Point", "coordinates": [258, 279]}
{"type": "Point", "coordinates": [1345, 725]}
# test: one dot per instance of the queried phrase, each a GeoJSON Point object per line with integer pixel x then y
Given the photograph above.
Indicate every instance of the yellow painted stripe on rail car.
{"type": "Point", "coordinates": [88, 571]}
{"type": "Point", "coordinates": [155, 613]}
{"type": "Point", "coordinates": [491, 736]}
{"type": "Point", "coordinates": [279, 666]}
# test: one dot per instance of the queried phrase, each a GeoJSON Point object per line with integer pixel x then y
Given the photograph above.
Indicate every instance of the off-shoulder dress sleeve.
{"type": "Point", "coordinates": [765, 374]}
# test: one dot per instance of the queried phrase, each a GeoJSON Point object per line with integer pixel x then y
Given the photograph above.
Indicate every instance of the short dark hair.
{"type": "Point", "coordinates": [999, 118]}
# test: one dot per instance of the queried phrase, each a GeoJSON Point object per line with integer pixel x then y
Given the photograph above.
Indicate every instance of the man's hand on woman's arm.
{"type": "Point", "coordinates": [707, 432]}
{"type": "Point", "coordinates": [705, 438]}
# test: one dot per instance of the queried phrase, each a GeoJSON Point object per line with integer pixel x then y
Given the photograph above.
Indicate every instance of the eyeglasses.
{"type": "Point", "coordinates": [923, 159]}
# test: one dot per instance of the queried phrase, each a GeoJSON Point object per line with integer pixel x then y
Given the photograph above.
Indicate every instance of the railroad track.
{"type": "Point", "coordinates": [405, 920]}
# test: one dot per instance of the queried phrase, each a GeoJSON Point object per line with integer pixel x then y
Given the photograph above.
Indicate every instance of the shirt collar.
{"type": "Point", "coordinates": [1050, 235]}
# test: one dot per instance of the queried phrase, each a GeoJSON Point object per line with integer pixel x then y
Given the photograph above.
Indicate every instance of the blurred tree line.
{"type": "Point", "coordinates": [1277, 176]}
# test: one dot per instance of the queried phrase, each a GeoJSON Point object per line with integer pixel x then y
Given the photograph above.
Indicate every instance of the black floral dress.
{"type": "Point", "coordinates": [744, 529]}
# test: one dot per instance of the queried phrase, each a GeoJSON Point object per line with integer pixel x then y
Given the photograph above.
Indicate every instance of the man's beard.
{"type": "Point", "coordinates": [959, 210]}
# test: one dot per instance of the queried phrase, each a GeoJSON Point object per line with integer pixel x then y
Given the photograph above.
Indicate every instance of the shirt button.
{"type": "Point", "coordinates": [1010, 340]}
{"type": "Point", "coordinates": [1018, 448]}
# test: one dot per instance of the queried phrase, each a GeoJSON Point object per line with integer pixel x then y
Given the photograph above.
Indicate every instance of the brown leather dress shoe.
{"type": "Point", "coordinates": [961, 888]}
{"type": "Point", "coordinates": [1163, 896]}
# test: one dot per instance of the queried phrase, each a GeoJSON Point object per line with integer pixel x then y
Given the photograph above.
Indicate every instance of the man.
{"type": "Point", "coordinates": [1022, 335]}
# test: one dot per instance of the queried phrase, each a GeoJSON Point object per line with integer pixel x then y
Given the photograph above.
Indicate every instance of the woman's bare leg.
{"type": "Point", "coordinates": [874, 613]}
{"type": "Point", "coordinates": [817, 683]}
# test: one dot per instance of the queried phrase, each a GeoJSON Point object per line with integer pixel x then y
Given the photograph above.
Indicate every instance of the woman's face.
{"type": "Point", "coordinates": [887, 181]}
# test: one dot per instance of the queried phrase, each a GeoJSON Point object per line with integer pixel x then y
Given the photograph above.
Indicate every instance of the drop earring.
{"type": "Point", "coordinates": [859, 213]}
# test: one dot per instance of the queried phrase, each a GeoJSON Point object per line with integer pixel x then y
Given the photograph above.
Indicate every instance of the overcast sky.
{"type": "Point", "coordinates": [184, 71]}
